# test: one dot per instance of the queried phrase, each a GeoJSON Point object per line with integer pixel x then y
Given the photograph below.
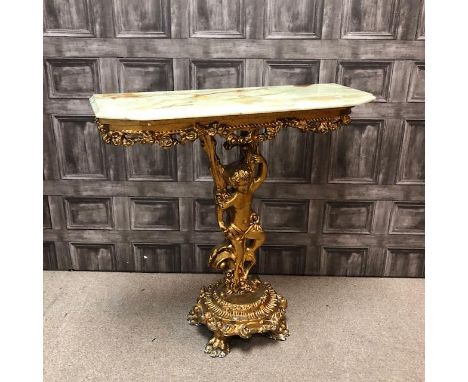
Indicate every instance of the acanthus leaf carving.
{"type": "Point", "coordinates": [254, 132]}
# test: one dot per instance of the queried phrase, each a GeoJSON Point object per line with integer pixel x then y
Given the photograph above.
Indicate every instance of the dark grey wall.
{"type": "Point", "coordinates": [348, 203]}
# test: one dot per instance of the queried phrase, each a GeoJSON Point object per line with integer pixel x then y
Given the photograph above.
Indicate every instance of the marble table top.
{"type": "Point", "coordinates": [167, 105]}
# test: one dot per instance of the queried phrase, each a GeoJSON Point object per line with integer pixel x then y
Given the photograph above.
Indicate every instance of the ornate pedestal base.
{"type": "Point", "coordinates": [259, 310]}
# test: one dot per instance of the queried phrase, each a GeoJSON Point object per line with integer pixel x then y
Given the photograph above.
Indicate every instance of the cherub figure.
{"type": "Point", "coordinates": [235, 184]}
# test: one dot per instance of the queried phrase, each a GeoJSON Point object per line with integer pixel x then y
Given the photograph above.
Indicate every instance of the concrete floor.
{"type": "Point", "coordinates": [131, 327]}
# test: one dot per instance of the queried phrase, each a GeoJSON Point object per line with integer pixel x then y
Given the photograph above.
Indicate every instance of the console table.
{"type": "Point", "coordinates": [238, 304]}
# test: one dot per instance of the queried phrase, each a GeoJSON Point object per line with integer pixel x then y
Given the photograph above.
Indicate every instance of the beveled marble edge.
{"type": "Point", "coordinates": [151, 106]}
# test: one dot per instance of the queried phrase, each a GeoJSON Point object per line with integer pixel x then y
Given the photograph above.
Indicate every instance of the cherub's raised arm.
{"type": "Point", "coordinates": [220, 218]}
{"type": "Point", "coordinates": [209, 145]}
{"type": "Point", "coordinates": [257, 158]}
{"type": "Point", "coordinates": [223, 202]}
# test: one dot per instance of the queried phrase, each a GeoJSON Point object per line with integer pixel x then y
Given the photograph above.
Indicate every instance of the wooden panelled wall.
{"type": "Point", "coordinates": [349, 203]}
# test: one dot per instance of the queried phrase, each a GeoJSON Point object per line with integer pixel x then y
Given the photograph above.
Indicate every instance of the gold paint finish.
{"type": "Point", "coordinates": [172, 132]}
{"type": "Point", "coordinates": [238, 304]}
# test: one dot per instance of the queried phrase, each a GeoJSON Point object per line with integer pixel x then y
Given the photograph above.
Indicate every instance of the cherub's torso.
{"type": "Point", "coordinates": [242, 206]}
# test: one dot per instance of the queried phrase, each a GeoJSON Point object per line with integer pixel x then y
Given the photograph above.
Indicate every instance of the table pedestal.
{"type": "Point", "coordinates": [238, 305]}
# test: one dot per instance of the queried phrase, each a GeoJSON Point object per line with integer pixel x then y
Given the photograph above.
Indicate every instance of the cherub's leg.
{"type": "Point", "coordinates": [249, 262]}
{"type": "Point", "coordinates": [258, 238]}
{"type": "Point", "coordinates": [239, 258]}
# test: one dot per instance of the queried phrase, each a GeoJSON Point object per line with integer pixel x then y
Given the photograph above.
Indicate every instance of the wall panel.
{"type": "Point", "coordinates": [343, 261]}
{"type": "Point", "coordinates": [370, 19]}
{"type": "Point", "coordinates": [404, 262]}
{"type": "Point", "coordinates": [407, 218]}
{"type": "Point", "coordinates": [417, 83]}
{"type": "Point", "coordinates": [80, 148]}
{"type": "Point", "coordinates": [72, 78]}
{"type": "Point", "coordinates": [349, 203]}
{"type": "Point", "coordinates": [145, 75]}
{"type": "Point", "coordinates": [154, 214]}
{"type": "Point", "coordinates": [349, 217]}
{"type": "Point", "coordinates": [46, 220]}
{"type": "Point", "coordinates": [412, 159]}
{"type": "Point", "coordinates": [67, 18]}
{"type": "Point", "coordinates": [89, 213]}
{"type": "Point", "coordinates": [156, 258]}
{"type": "Point", "coordinates": [142, 18]}
{"type": "Point", "coordinates": [354, 152]}
{"type": "Point", "coordinates": [373, 77]}
{"type": "Point", "coordinates": [286, 260]}
{"type": "Point", "coordinates": [213, 74]}
{"type": "Point", "coordinates": [93, 257]}
{"type": "Point", "coordinates": [217, 18]}
{"type": "Point", "coordinates": [295, 164]}
{"type": "Point", "coordinates": [49, 259]}
{"type": "Point", "coordinates": [151, 162]}
{"type": "Point", "coordinates": [288, 72]}
{"type": "Point", "coordinates": [284, 215]}
{"type": "Point", "coordinates": [294, 19]}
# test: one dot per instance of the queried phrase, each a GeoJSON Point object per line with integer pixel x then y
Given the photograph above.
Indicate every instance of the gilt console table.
{"type": "Point", "coordinates": [238, 304]}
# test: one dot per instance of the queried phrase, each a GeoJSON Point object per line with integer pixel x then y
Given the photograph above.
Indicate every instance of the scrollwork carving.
{"type": "Point", "coordinates": [253, 132]}
{"type": "Point", "coordinates": [225, 319]}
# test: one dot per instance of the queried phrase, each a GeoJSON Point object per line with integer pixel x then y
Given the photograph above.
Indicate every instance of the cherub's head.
{"type": "Point", "coordinates": [240, 180]}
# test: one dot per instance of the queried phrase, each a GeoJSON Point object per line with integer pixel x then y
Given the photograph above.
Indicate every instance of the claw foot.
{"type": "Point", "coordinates": [193, 317]}
{"type": "Point", "coordinates": [280, 333]}
{"type": "Point", "coordinates": [217, 347]}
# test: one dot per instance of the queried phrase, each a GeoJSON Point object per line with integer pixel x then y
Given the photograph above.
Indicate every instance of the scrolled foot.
{"type": "Point", "coordinates": [280, 333]}
{"type": "Point", "coordinates": [193, 317]}
{"type": "Point", "coordinates": [217, 347]}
